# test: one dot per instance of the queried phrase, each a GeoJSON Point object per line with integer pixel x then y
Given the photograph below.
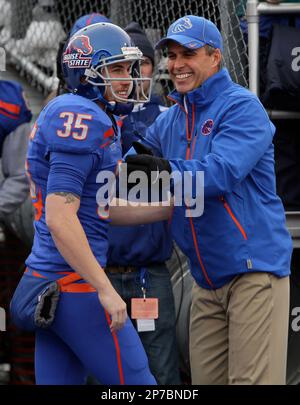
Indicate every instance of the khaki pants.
{"type": "Point", "coordinates": [239, 332]}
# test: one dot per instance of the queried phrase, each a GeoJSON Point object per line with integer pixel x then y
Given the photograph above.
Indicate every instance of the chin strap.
{"type": "Point", "coordinates": [113, 107]}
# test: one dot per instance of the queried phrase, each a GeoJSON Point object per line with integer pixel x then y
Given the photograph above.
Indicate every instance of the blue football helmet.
{"type": "Point", "coordinates": [87, 55]}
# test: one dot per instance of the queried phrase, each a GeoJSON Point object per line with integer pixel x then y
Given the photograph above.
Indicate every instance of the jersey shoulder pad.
{"type": "Point", "coordinates": [73, 124]}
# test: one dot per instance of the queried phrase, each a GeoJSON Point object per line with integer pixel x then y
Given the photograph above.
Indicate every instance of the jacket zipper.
{"type": "Point", "coordinates": [189, 135]}
{"type": "Point", "coordinates": [233, 217]}
{"type": "Point", "coordinates": [188, 150]}
{"type": "Point", "coordinates": [239, 226]}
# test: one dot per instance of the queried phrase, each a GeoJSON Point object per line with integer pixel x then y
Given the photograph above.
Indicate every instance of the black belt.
{"type": "Point", "coordinates": [121, 269]}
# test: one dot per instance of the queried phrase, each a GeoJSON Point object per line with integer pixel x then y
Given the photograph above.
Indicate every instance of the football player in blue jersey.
{"type": "Point", "coordinates": [75, 137]}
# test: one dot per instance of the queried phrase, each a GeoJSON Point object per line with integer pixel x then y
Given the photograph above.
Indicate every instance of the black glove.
{"type": "Point", "coordinates": [141, 149]}
{"type": "Point", "coordinates": [145, 161]}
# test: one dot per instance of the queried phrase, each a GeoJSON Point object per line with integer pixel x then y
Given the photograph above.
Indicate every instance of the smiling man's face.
{"type": "Point", "coordinates": [189, 68]}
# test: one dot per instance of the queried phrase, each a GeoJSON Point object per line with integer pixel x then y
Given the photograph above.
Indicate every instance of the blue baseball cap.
{"type": "Point", "coordinates": [193, 32]}
{"type": "Point", "coordinates": [88, 19]}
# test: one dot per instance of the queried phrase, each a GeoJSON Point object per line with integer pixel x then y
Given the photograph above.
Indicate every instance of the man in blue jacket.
{"type": "Point", "coordinates": [239, 249]}
{"type": "Point", "coordinates": [137, 254]}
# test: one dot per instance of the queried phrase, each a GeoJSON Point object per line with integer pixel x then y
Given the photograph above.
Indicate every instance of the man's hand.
{"type": "Point", "coordinates": [152, 166]}
{"type": "Point", "coordinates": [115, 306]}
{"type": "Point", "coordinates": [141, 149]}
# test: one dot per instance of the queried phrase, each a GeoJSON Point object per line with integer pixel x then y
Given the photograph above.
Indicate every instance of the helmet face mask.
{"type": "Point", "coordinates": [100, 76]}
{"type": "Point", "coordinates": [91, 52]}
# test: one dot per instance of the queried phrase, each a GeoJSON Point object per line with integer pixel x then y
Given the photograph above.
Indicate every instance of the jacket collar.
{"type": "Point", "coordinates": [207, 92]}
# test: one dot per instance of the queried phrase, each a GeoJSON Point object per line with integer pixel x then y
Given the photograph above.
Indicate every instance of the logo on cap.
{"type": "Point", "coordinates": [182, 25]}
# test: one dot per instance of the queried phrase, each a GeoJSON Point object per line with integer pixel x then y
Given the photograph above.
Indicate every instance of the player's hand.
{"type": "Point", "coordinates": [115, 306]}
{"type": "Point", "coordinates": [148, 164]}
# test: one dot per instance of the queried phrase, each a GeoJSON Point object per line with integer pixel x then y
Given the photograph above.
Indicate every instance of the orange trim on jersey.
{"type": "Point", "coordinates": [105, 144]}
{"type": "Point", "coordinates": [228, 209]}
{"type": "Point", "coordinates": [77, 288]}
{"type": "Point", "coordinates": [66, 283]}
{"type": "Point", "coordinates": [70, 278]}
{"type": "Point", "coordinates": [34, 273]}
{"type": "Point", "coordinates": [108, 133]}
{"type": "Point", "coordinates": [198, 253]}
{"type": "Point", "coordinates": [38, 205]}
{"type": "Point", "coordinates": [118, 351]}
{"type": "Point", "coordinates": [10, 108]}
{"type": "Point", "coordinates": [13, 117]}
{"type": "Point", "coordinates": [120, 123]}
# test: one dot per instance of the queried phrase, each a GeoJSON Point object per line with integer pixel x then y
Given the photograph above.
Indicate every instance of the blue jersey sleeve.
{"type": "Point", "coordinates": [74, 124]}
{"type": "Point", "coordinates": [68, 172]}
{"type": "Point", "coordinates": [14, 110]}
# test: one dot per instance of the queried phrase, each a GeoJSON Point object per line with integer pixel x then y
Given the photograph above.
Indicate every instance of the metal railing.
{"type": "Point", "coordinates": [253, 11]}
{"type": "Point", "coordinates": [293, 225]}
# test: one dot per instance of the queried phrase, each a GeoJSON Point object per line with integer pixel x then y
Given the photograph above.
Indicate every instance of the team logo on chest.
{"type": "Point", "coordinates": [207, 127]}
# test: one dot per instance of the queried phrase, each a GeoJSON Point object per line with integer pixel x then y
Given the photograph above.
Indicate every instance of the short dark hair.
{"type": "Point", "coordinates": [209, 51]}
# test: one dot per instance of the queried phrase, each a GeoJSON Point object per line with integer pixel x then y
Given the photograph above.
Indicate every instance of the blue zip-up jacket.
{"type": "Point", "coordinates": [143, 244]}
{"type": "Point", "coordinates": [223, 130]}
